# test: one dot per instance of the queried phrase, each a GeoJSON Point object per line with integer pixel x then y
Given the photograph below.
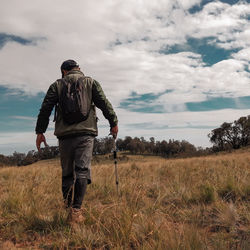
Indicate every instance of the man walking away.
{"type": "Point", "coordinates": [74, 97]}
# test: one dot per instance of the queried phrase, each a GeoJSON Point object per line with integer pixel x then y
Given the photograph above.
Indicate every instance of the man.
{"type": "Point", "coordinates": [75, 139]}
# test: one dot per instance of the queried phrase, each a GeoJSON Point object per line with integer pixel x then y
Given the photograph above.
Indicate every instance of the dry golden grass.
{"type": "Point", "coordinates": [196, 203]}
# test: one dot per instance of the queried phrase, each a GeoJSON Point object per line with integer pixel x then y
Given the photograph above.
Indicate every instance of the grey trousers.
{"type": "Point", "coordinates": [76, 155]}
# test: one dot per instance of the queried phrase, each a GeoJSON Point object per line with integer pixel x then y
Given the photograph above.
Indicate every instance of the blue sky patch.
{"type": "Point", "coordinates": [145, 103]}
{"type": "Point", "coordinates": [17, 110]}
{"type": "Point", "coordinates": [149, 97]}
{"type": "Point", "coordinates": [206, 47]}
{"type": "Point", "coordinates": [142, 108]}
{"type": "Point", "coordinates": [5, 38]}
{"type": "Point", "coordinates": [199, 7]}
{"type": "Point", "coordinates": [218, 103]}
{"type": "Point", "coordinates": [247, 67]}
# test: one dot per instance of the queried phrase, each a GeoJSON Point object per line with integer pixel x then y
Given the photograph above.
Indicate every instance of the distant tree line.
{"type": "Point", "coordinates": [171, 148]}
{"type": "Point", "coordinates": [21, 159]}
{"type": "Point", "coordinates": [232, 135]}
{"type": "Point", "coordinates": [228, 136]}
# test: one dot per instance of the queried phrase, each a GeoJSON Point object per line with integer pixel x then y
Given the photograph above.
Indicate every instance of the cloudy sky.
{"type": "Point", "coordinates": [171, 68]}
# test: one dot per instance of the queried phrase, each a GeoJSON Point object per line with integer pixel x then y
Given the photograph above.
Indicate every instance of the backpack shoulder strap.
{"type": "Point", "coordinates": [60, 83]}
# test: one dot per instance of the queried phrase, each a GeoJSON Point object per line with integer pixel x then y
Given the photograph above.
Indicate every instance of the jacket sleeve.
{"type": "Point", "coordinates": [50, 100]}
{"type": "Point", "coordinates": [103, 103]}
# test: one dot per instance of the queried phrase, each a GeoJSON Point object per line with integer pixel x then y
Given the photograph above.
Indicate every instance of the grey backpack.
{"type": "Point", "coordinates": [74, 101]}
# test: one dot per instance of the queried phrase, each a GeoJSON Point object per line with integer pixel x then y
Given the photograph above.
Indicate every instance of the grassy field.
{"type": "Point", "coordinates": [196, 203]}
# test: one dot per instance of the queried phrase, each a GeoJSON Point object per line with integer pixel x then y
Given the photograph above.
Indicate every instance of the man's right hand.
{"type": "Point", "coordinates": [114, 131]}
{"type": "Point", "coordinates": [39, 139]}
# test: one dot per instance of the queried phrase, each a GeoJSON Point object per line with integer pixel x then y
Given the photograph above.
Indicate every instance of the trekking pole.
{"type": "Point", "coordinates": [116, 171]}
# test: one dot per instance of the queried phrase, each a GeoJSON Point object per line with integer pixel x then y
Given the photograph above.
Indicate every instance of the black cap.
{"type": "Point", "coordinates": [69, 64]}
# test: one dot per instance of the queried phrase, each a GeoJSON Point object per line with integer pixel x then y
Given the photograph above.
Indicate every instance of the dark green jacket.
{"type": "Point", "coordinates": [89, 126]}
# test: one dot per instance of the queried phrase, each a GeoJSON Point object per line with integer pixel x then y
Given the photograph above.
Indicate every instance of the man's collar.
{"type": "Point", "coordinates": [74, 71]}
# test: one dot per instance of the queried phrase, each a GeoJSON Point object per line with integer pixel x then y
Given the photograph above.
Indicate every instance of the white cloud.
{"type": "Point", "coordinates": [220, 20]}
{"type": "Point", "coordinates": [86, 29]}
{"type": "Point", "coordinates": [26, 118]}
{"type": "Point", "coordinates": [243, 55]}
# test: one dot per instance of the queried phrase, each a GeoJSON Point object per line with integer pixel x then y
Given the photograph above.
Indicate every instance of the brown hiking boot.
{"type": "Point", "coordinates": [75, 216]}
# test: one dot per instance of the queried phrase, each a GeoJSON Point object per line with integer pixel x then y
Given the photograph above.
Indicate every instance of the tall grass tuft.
{"type": "Point", "coordinates": [207, 194]}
